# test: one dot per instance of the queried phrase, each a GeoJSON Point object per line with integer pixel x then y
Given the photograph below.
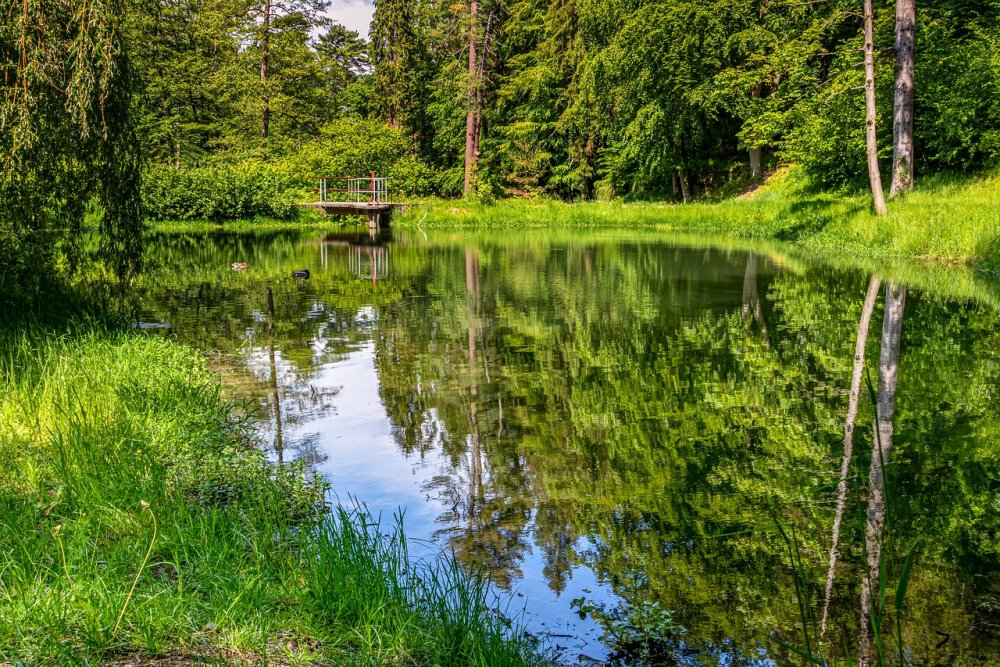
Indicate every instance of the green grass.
{"type": "Point", "coordinates": [944, 219]}
{"type": "Point", "coordinates": [124, 467]}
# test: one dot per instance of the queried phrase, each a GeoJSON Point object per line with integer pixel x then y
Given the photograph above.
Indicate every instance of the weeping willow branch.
{"type": "Point", "coordinates": [67, 133]}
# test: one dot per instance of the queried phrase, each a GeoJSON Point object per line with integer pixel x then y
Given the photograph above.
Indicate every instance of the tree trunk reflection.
{"type": "Point", "coordinates": [751, 298]}
{"type": "Point", "coordinates": [279, 444]}
{"type": "Point", "coordinates": [892, 327]}
{"type": "Point", "coordinates": [852, 412]}
{"type": "Point", "coordinates": [475, 453]}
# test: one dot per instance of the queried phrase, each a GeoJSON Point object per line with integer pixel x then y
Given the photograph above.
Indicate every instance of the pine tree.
{"type": "Point", "coordinates": [393, 47]}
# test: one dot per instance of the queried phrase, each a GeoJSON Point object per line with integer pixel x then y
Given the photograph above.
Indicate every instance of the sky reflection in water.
{"type": "Point", "coordinates": [618, 420]}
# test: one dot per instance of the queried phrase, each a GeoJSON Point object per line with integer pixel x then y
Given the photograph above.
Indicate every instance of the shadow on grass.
{"type": "Point", "coordinates": [990, 263]}
{"type": "Point", "coordinates": [811, 216]}
{"type": "Point", "coordinates": [59, 305]}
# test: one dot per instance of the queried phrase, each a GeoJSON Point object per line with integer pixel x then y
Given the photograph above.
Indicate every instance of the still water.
{"type": "Point", "coordinates": [644, 431]}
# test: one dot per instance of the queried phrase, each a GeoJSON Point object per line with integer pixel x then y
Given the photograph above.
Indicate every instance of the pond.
{"type": "Point", "coordinates": [638, 438]}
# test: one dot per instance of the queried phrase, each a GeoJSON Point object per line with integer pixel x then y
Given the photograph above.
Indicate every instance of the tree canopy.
{"type": "Point", "coordinates": [575, 98]}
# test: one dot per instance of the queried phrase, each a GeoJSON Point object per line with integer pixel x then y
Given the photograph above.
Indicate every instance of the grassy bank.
{"type": "Point", "coordinates": [307, 221]}
{"type": "Point", "coordinates": [138, 520]}
{"type": "Point", "coordinates": [944, 219]}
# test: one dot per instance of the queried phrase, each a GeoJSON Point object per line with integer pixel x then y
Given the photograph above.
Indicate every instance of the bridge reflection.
{"type": "Point", "coordinates": [368, 255]}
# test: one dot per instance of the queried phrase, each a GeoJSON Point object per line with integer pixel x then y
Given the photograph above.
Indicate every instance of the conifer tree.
{"type": "Point", "coordinates": [393, 45]}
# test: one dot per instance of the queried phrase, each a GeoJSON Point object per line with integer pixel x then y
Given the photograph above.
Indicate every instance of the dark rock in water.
{"type": "Point", "coordinates": [302, 275]}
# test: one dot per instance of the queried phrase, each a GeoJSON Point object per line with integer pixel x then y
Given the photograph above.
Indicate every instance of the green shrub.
{"type": "Point", "coordinates": [229, 192]}
{"type": "Point", "coordinates": [250, 188]}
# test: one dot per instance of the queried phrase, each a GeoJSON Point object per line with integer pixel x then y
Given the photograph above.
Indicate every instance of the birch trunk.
{"type": "Point", "coordinates": [852, 413]}
{"type": "Point", "coordinates": [902, 108]}
{"type": "Point", "coordinates": [685, 185]}
{"type": "Point", "coordinates": [874, 176]}
{"type": "Point", "coordinates": [756, 154]}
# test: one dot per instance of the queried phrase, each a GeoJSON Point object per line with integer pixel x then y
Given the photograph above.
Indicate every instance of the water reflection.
{"type": "Point", "coordinates": [632, 424]}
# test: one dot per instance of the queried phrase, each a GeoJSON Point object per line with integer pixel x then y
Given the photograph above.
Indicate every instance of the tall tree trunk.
{"type": "Point", "coordinates": [852, 413]}
{"type": "Point", "coordinates": [902, 108]}
{"type": "Point", "coordinates": [478, 105]}
{"type": "Point", "coordinates": [874, 176]}
{"type": "Point", "coordinates": [756, 154]}
{"type": "Point", "coordinates": [888, 373]}
{"type": "Point", "coordinates": [472, 115]}
{"type": "Point", "coordinates": [265, 47]}
{"type": "Point", "coordinates": [685, 185]}
{"type": "Point", "coordinates": [756, 163]}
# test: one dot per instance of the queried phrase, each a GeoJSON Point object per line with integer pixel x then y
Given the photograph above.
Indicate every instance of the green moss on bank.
{"type": "Point", "coordinates": [944, 219]}
{"type": "Point", "coordinates": [124, 466]}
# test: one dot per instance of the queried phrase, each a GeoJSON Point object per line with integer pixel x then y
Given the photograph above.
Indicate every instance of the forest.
{"type": "Point", "coordinates": [572, 98]}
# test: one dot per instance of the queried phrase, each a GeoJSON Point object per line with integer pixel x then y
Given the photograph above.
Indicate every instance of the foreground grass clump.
{"type": "Point", "coordinates": [137, 520]}
{"type": "Point", "coordinates": [944, 219]}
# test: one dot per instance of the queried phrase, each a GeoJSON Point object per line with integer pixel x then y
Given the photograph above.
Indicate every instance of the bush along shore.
{"type": "Point", "coordinates": [139, 522]}
{"type": "Point", "coordinates": [944, 219]}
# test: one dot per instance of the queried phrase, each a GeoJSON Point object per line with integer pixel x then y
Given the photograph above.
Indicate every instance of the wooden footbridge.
{"type": "Point", "coordinates": [368, 196]}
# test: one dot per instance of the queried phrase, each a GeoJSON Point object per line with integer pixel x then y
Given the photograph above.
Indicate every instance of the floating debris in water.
{"type": "Point", "coordinates": [150, 325]}
{"type": "Point", "coordinates": [240, 266]}
{"type": "Point", "coordinates": [301, 275]}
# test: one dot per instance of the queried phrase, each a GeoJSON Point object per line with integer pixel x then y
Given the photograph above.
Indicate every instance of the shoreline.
{"type": "Point", "coordinates": [140, 522]}
{"type": "Point", "coordinates": [944, 221]}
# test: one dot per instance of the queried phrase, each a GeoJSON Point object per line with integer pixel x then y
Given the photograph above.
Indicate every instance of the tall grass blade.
{"type": "Point", "coordinates": [904, 575]}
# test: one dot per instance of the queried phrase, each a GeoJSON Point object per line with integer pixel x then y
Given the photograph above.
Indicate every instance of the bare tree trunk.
{"type": "Point", "coordinates": [756, 163]}
{"type": "Point", "coordinates": [756, 154]}
{"type": "Point", "coordinates": [685, 185]}
{"type": "Point", "coordinates": [480, 80]}
{"type": "Point", "coordinates": [852, 413]}
{"type": "Point", "coordinates": [888, 372]}
{"type": "Point", "coordinates": [902, 108]}
{"type": "Point", "coordinates": [265, 54]}
{"type": "Point", "coordinates": [472, 115]}
{"type": "Point", "coordinates": [874, 176]}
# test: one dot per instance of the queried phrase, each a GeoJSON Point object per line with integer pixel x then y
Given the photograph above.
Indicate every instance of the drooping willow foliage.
{"type": "Point", "coordinates": [66, 137]}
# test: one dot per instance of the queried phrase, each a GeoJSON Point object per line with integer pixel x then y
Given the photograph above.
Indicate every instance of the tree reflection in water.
{"type": "Point", "coordinates": [639, 407]}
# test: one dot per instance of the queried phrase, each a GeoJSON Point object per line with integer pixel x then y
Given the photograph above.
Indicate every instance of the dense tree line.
{"type": "Point", "coordinates": [577, 98]}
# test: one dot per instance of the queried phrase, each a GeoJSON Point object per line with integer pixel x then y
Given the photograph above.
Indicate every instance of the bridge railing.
{"type": "Point", "coordinates": [369, 190]}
